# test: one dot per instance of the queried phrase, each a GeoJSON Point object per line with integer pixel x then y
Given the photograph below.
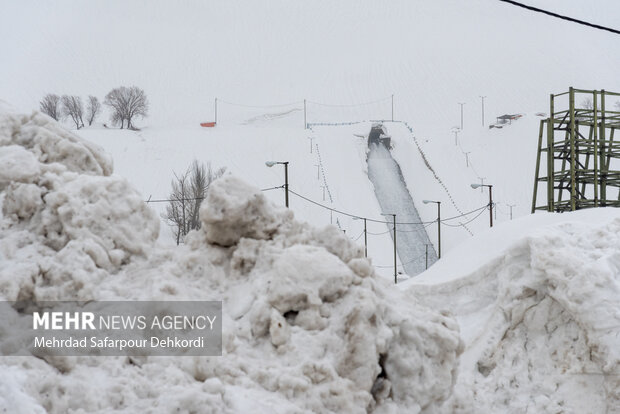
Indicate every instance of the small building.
{"type": "Point", "coordinates": [507, 119]}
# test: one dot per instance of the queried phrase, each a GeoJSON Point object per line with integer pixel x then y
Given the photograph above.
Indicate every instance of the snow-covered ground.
{"type": "Point", "coordinates": [537, 303]}
{"type": "Point", "coordinates": [308, 326]}
{"type": "Point", "coordinates": [534, 299]}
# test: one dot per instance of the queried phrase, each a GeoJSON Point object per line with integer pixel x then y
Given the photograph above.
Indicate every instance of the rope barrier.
{"type": "Point", "coordinates": [261, 106]}
{"type": "Point", "coordinates": [350, 105]}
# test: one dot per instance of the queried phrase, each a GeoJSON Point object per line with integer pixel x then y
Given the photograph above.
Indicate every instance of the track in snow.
{"type": "Point", "coordinates": [394, 198]}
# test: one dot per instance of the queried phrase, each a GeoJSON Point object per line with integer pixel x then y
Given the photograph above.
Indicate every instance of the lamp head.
{"type": "Point", "coordinates": [476, 185]}
{"type": "Point", "coordinates": [270, 163]}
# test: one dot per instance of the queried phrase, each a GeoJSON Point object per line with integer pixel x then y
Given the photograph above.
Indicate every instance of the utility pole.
{"type": "Point", "coordinates": [318, 177]}
{"type": "Point", "coordinates": [511, 206]}
{"type": "Point", "coordinates": [467, 157]}
{"type": "Point", "coordinates": [461, 103]}
{"type": "Point", "coordinates": [490, 187]}
{"type": "Point", "coordinates": [491, 204]}
{"type": "Point", "coordinates": [323, 192]}
{"type": "Point", "coordinates": [438, 225]}
{"type": "Point", "coordinates": [285, 163]}
{"type": "Point", "coordinates": [365, 240]}
{"type": "Point", "coordinates": [456, 136]}
{"type": "Point", "coordinates": [365, 235]}
{"type": "Point", "coordinates": [311, 139]}
{"type": "Point", "coordinates": [395, 274]}
{"type": "Point", "coordinates": [482, 97]}
{"type": "Point", "coordinates": [392, 107]}
{"type": "Point", "coordinates": [426, 266]}
{"type": "Point", "coordinates": [482, 183]}
{"type": "Point", "coordinates": [286, 182]}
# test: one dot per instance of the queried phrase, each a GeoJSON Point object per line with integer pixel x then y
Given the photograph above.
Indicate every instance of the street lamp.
{"type": "Point", "coordinates": [395, 266]}
{"type": "Point", "coordinates": [490, 187]}
{"type": "Point", "coordinates": [285, 163]}
{"type": "Point", "coordinates": [365, 236]}
{"type": "Point", "coordinates": [438, 225]}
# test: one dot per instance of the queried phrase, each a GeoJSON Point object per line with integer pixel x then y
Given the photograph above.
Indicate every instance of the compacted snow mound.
{"type": "Point", "coordinates": [65, 220]}
{"type": "Point", "coordinates": [307, 326]}
{"type": "Point", "coordinates": [541, 323]}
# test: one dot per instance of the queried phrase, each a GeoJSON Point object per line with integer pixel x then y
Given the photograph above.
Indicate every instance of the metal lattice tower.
{"type": "Point", "coordinates": [580, 160]}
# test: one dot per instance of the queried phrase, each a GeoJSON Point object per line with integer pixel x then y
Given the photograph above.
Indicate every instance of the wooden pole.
{"type": "Point", "coordinates": [365, 240]}
{"type": "Point", "coordinates": [540, 136]}
{"type": "Point", "coordinates": [550, 156]}
{"type": "Point", "coordinates": [395, 273]}
{"type": "Point", "coordinates": [286, 183]}
{"type": "Point", "coordinates": [491, 205]}
{"type": "Point", "coordinates": [439, 228]}
{"type": "Point", "coordinates": [573, 175]}
{"type": "Point", "coordinates": [595, 141]}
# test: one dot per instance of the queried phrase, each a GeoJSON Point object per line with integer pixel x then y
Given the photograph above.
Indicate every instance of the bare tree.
{"type": "Point", "coordinates": [126, 104]}
{"type": "Point", "coordinates": [587, 103]}
{"type": "Point", "coordinates": [188, 191]}
{"type": "Point", "coordinates": [50, 105]}
{"type": "Point", "coordinates": [72, 107]}
{"type": "Point", "coordinates": [92, 109]}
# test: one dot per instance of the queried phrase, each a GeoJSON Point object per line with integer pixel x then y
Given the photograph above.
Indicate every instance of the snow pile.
{"type": "Point", "coordinates": [308, 327]}
{"type": "Point", "coordinates": [542, 322]}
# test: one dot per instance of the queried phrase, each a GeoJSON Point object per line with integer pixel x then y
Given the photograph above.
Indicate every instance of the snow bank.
{"type": "Point", "coordinates": [541, 322]}
{"type": "Point", "coordinates": [308, 327]}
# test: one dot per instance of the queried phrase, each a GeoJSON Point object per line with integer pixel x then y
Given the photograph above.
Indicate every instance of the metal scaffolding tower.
{"type": "Point", "coordinates": [581, 160]}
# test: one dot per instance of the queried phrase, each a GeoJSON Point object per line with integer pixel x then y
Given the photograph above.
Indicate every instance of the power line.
{"type": "Point", "coordinates": [463, 224]}
{"type": "Point", "coordinates": [383, 221]}
{"type": "Point", "coordinates": [351, 105]}
{"type": "Point", "coordinates": [167, 200]}
{"type": "Point", "coordinates": [559, 16]}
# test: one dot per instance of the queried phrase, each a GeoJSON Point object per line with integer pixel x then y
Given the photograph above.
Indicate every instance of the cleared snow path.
{"type": "Point", "coordinates": [394, 198]}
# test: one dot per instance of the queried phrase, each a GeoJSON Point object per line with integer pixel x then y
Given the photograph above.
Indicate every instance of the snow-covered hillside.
{"type": "Point", "coordinates": [537, 303]}
{"type": "Point", "coordinates": [430, 55]}
{"type": "Point", "coordinates": [308, 327]}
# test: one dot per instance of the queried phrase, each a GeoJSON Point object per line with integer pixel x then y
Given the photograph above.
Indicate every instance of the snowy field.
{"type": "Point", "coordinates": [521, 318]}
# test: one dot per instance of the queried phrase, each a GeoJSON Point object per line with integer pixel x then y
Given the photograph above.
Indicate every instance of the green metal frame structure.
{"type": "Point", "coordinates": [581, 159]}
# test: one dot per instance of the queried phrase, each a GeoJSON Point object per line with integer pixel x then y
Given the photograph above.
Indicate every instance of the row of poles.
{"type": "Point", "coordinates": [306, 109]}
{"type": "Point", "coordinates": [474, 186]}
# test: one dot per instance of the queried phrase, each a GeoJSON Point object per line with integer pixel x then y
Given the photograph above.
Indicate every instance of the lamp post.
{"type": "Point", "coordinates": [490, 187]}
{"type": "Point", "coordinates": [438, 225]}
{"type": "Point", "coordinates": [285, 163]}
{"type": "Point", "coordinates": [365, 236]}
{"type": "Point", "coordinates": [395, 266]}
{"type": "Point", "coordinates": [482, 97]}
